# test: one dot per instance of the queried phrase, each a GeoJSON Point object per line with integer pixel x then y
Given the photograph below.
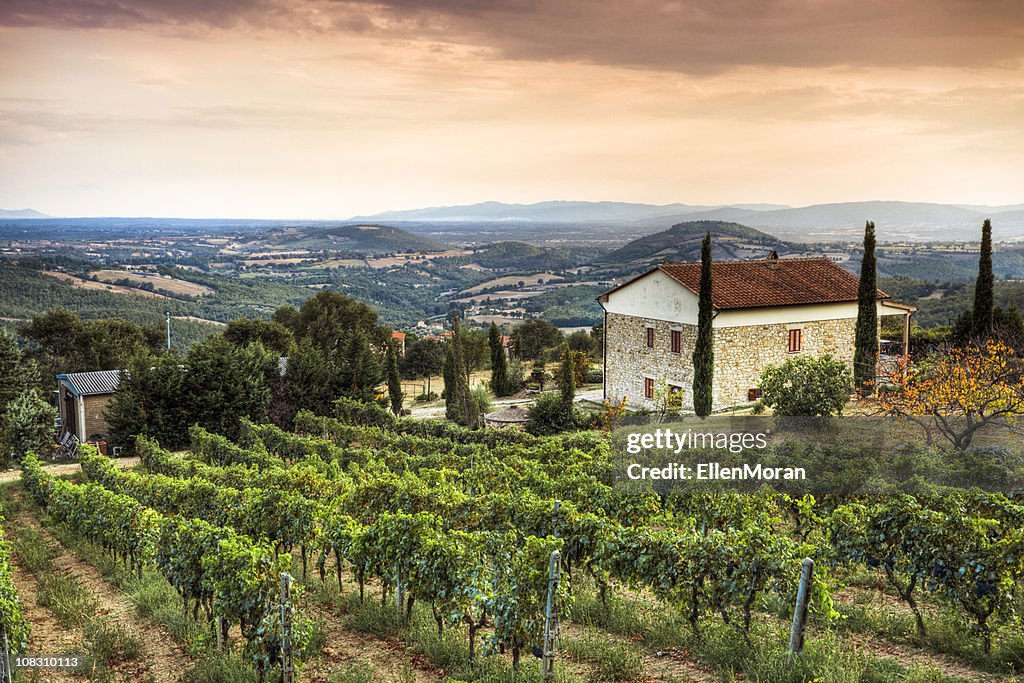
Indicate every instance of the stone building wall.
{"type": "Point", "coordinates": [95, 421]}
{"type": "Point", "coordinates": [629, 360]}
{"type": "Point", "coordinates": [741, 353]}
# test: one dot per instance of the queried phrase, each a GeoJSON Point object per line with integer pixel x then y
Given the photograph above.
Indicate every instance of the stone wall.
{"type": "Point", "coordinates": [629, 360]}
{"type": "Point", "coordinates": [95, 421]}
{"type": "Point", "coordinates": [741, 353]}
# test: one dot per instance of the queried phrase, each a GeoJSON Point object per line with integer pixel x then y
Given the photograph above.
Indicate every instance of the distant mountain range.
{"type": "Point", "coordinates": [584, 221]}
{"type": "Point", "coordinates": [21, 213]}
{"type": "Point", "coordinates": [556, 212]}
{"type": "Point", "coordinates": [816, 223]}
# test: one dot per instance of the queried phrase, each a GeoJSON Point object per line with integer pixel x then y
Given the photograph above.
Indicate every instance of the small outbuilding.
{"type": "Point", "coordinates": [83, 399]}
{"type": "Point", "coordinates": [512, 417]}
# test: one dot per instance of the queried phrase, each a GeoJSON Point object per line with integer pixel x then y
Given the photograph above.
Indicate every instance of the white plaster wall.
{"type": "Point", "coordinates": [792, 314]}
{"type": "Point", "coordinates": [655, 297]}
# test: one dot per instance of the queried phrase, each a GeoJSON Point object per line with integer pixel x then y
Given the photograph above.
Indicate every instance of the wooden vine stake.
{"type": "Point", "coordinates": [6, 662]}
{"type": "Point", "coordinates": [399, 594]}
{"type": "Point", "coordinates": [547, 662]}
{"type": "Point", "coordinates": [287, 665]}
{"type": "Point", "coordinates": [803, 598]}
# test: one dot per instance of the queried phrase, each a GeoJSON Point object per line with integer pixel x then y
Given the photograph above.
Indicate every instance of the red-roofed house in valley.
{"type": "Point", "coordinates": [399, 338]}
{"type": "Point", "coordinates": [765, 311]}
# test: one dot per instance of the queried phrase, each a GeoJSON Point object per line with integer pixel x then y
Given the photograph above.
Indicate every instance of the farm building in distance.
{"type": "Point", "coordinates": [83, 397]}
{"type": "Point", "coordinates": [765, 311]}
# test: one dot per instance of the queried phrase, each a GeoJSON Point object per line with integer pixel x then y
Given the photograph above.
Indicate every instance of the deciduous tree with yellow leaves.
{"type": "Point", "coordinates": [954, 395]}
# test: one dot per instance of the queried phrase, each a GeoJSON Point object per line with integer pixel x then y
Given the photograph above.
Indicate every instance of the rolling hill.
{"type": "Point", "coordinates": [519, 255]}
{"type": "Point", "coordinates": [682, 241]}
{"type": "Point", "coordinates": [362, 238]}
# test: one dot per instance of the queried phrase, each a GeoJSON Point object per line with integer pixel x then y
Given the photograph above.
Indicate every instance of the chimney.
{"type": "Point", "coordinates": [772, 261]}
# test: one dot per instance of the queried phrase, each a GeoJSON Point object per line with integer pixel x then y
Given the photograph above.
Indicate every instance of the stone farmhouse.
{"type": "Point", "coordinates": [765, 311]}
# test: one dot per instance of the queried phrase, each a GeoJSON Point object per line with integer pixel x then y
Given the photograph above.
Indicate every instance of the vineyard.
{"type": "Point", "coordinates": [429, 546]}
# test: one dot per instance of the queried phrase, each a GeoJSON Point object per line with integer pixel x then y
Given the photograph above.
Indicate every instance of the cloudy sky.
{"type": "Point", "coordinates": [330, 108]}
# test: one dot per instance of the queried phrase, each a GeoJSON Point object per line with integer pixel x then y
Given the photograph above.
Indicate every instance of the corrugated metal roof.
{"type": "Point", "coordinates": [91, 383]}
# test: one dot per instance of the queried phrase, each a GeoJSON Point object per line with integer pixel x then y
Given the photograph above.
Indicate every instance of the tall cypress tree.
{"type": "Point", "coordinates": [703, 351]}
{"type": "Point", "coordinates": [567, 387]}
{"type": "Point", "coordinates": [394, 380]}
{"type": "Point", "coordinates": [466, 407]}
{"type": "Point", "coordinates": [360, 367]}
{"type": "Point", "coordinates": [499, 364]}
{"type": "Point", "coordinates": [865, 352]}
{"type": "Point", "coordinates": [983, 288]}
{"type": "Point", "coordinates": [452, 404]}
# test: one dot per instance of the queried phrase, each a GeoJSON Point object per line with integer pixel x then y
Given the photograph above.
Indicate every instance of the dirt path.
{"type": "Point", "coordinates": [904, 653]}
{"type": "Point", "coordinates": [668, 665]}
{"type": "Point", "coordinates": [48, 636]}
{"type": "Point", "coordinates": [64, 468]}
{"type": "Point", "coordinates": [911, 657]}
{"type": "Point", "coordinates": [347, 646]}
{"type": "Point", "coordinates": [161, 660]}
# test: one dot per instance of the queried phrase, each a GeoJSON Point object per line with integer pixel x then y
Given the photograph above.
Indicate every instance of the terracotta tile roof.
{"type": "Point", "coordinates": [770, 282]}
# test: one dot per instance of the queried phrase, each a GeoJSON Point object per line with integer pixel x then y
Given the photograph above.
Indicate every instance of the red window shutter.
{"type": "Point", "coordinates": [650, 337]}
{"type": "Point", "coordinates": [753, 395]}
{"type": "Point", "coordinates": [677, 341]}
{"type": "Point", "coordinates": [795, 340]}
{"type": "Point", "coordinates": [648, 387]}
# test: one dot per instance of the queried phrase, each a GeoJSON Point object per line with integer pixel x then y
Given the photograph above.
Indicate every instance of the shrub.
{"type": "Point", "coordinates": [482, 399]}
{"type": "Point", "coordinates": [807, 387]}
{"type": "Point", "coordinates": [548, 416]}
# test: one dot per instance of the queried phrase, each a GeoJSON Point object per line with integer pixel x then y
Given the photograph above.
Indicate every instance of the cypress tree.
{"type": "Point", "coordinates": [499, 364]}
{"type": "Point", "coordinates": [703, 351]}
{"type": "Point", "coordinates": [983, 288]}
{"type": "Point", "coordinates": [466, 407]}
{"type": "Point", "coordinates": [451, 401]}
{"type": "Point", "coordinates": [567, 386]}
{"type": "Point", "coordinates": [865, 352]}
{"type": "Point", "coordinates": [394, 380]}
{"type": "Point", "coordinates": [360, 367]}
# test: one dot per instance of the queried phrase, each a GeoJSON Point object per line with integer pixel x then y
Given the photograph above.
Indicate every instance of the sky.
{"type": "Point", "coordinates": [334, 108]}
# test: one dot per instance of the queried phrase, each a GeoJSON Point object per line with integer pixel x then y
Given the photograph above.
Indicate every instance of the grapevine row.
{"type": "Point", "coordinates": [213, 567]}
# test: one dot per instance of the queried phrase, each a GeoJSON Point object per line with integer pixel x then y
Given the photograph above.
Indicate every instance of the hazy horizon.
{"type": "Point", "coordinates": [1012, 206]}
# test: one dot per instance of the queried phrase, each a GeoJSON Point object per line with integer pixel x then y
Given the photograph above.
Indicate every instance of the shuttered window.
{"type": "Point", "coordinates": [650, 337]}
{"type": "Point", "coordinates": [648, 387]}
{"type": "Point", "coordinates": [796, 342]}
{"type": "Point", "coordinates": [677, 341]}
